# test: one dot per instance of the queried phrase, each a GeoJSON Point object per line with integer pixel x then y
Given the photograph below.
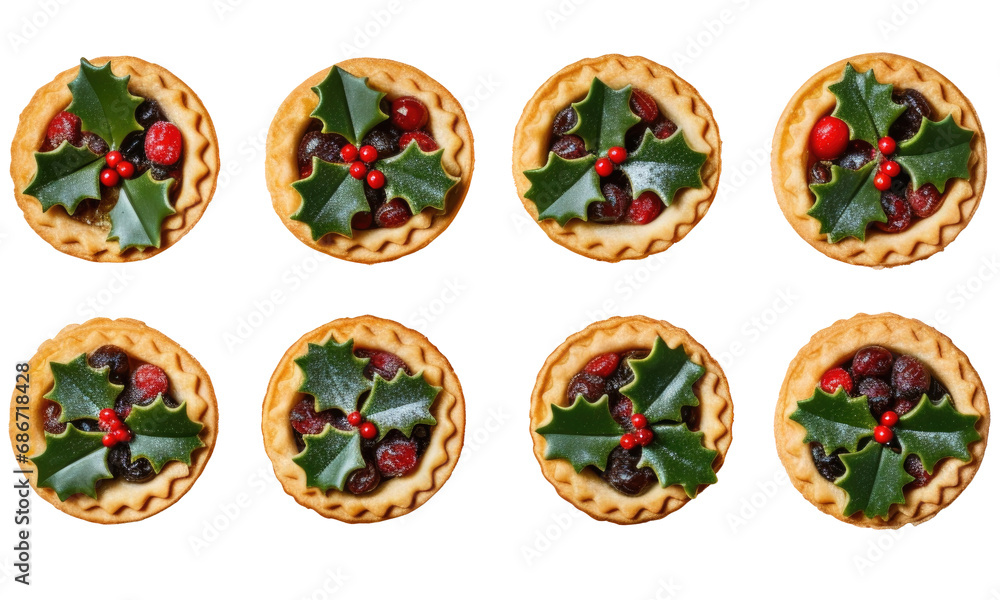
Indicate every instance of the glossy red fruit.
{"type": "Point", "coordinates": [362, 221]}
{"type": "Point", "coordinates": [890, 168]}
{"type": "Point", "coordinates": [889, 418]}
{"type": "Point", "coordinates": [883, 434]}
{"type": "Point", "coordinates": [109, 440]}
{"type": "Point", "coordinates": [925, 200]}
{"type": "Point", "coordinates": [643, 105]}
{"type": "Point", "coordinates": [617, 154]}
{"type": "Point", "coordinates": [109, 178]}
{"type": "Point", "coordinates": [349, 153]}
{"type": "Point", "coordinates": [163, 143]}
{"type": "Point", "coordinates": [424, 141]}
{"type": "Point", "coordinates": [836, 378]}
{"type": "Point", "coordinates": [358, 169]}
{"type": "Point", "coordinates": [368, 153]}
{"type": "Point", "coordinates": [408, 113]}
{"type": "Point", "coordinates": [829, 138]}
{"type": "Point", "coordinates": [150, 381]}
{"type": "Point", "coordinates": [107, 413]}
{"type": "Point", "coordinates": [121, 434]}
{"type": "Point", "coordinates": [376, 179]}
{"type": "Point", "coordinates": [393, 213]}
{"type": "Point", "coordinates": [638, 420]}
{"type": "Point", "coordinates": [644, 436]}
{"type": "Point", "coordinates": [125, 169]}
{"type": "Point", "coordinates": [603, 365]}
{"type": "Point", "coordinates": [113, 158]}
{"type": "Point", "coordinates": [396, 457]}
{"type": "Point", "coordinates": [306, 420]}
{"type": "Point", "coordinates": [645, 208]}
{"type": "Point", "coordinates": [604, 167]}
{"type": "Point", "coordinates": [628, 441]}
{"type": "Point", "coordinates": [63, 127]}
{"type": "Point", "coordinates": [355, 418]}
{"type": "Point", "coordinates": [898, 215]}
{"type": "Point", "coordinates": [368, 431]}
{"type": "Point", "coordinates": [887, 145]}
{"type": "Point", "coordinates": [882, 181]}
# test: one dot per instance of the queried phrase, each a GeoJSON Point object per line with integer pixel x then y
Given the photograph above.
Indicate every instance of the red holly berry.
{"type": "Point", "coordinates": [63, 127]}
{"type": "Point", "coordinates": [368, 154]}
{"type": "Point", "coordinates": [426, 142]}
{"type": "Point", "coordinates": [113, 158]}
{"type": "Point", "coordinates": [122, 434]}
{"type": "Point", "coordinates": [617, 154]}
{"type": "Point", "coordinates": [603, 365]}
{"type": "Point", "coordinates": [109, 177]}
{"type": "Point", "coordinates": [349, 153]}
{"type": "Point", "coordinates": [628, 441]}
{"type": "Point", "coordinates": [109, 440]}
{"type": "Point", "coordinates": [408, 113]}
{"type": "Point", "coordinates": [638, 420]}
{"type": "Point", "coordinates": [890, 168]}
{"type": "Point", "coordinates": [604, 167]}
{"type": "Point", "coordinates": [368, 430]}
{"type": "Point", "coordinates": [376, 179]}
{"type": "Point", "coordinates": [150, 381]}
{"type": "Point", "coordinates": [836, 378]}
{"type": "Point", "coordinates": [358, 169]}
{"type": "Point", "coordinates": [883, 434]}
{"type": "Point", "coordinates": [125, 169]}
{"type": "Point", "coordinates": [887, 145]}
{"type": "Point", "coordinates": [163, 143]}
{"type": "Point", "coordinates": [882, 181]}
{"type": "Point", "coordinates": [107, 414]}
{"type": "Point", "coordinates": [829, 138]}
{"type": "Point", "coordinates": [355, 418]}
{"type": "Point", "coordinates": [644, 436]}
{"type": "Point", "coordinates": [645, 208]}
{"type": "Point", "coordinates": [889, 418]}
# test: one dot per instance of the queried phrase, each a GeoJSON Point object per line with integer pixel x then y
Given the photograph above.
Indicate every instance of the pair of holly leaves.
{"type": "Point", "coordinates": [847, 204]}
{"type": "Point", "coordinates": [334, 377]}
{"type": "Point", "coordinates": [69, 175]}
{"type": "Point", "coordinates": [74, 461]}
{"type": "Point", "coordinates": [331, 196]}
{"type": "Point", "coordinates": [585, 433]}
{"type": "Point", "coordinates": [875, 474]}
{"type": "Point", "coordinates": [564, 188]}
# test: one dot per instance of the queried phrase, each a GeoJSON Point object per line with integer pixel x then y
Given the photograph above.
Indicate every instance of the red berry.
{"type": "Point", "coordinates": [362, 221]}
{"type": "Point", "coordinates": [883, 434]}
{"type": "Point", "coordinates": [306, 420]}
{"type": "Point", "coordinates": [358, 169]}
{"type": "Point", "coordinates": [109, 440]}
{"type": "Point", "coordinates": [408, 113]}
{"type": "Point", "coordinates": [355, 418]}
{"type": "Point", "coordinates": [393, 213]}
{"type": "Point", "coordinates": [109, 177]}
{"type": "Point", "coordinates": [349, 153]}
{"type": "Point", "coordinates": [396, 457]}
{"type": "Point", "coordinates": [836, 378]}
{"type": "Point", "coordinates": [889, 418]}
{"type": "Point", "coordinates": [924, 200]}
{"type": "Point", "coordinates": [368, 431]}
{"type": "Point", "coordinates": [643, 105]}
{"type": "Point", "coordinates": [63, 127]}
{"type": "Point", "coordinates": [664, 128]}
{"type": "Point", "coordinates": [638, 420]}
{"type": "Point", "coordinates": [604, 167]}
{"type": "Point", "coordinates": [125, 169]}
{"type": "Point", "coordinates": [426, 142]}
{"type": "Point", "coordinates": [150, 381]}
{"type": "Point", "coordinates": [106, 414]}
{"type": "Point", "coordinates": [617, 154]}
{"type": "Point", "coordinates": [644, 436]}
{"type": "Point", "coordinates": [121, 434]}
{"type": "Point", "coordinates": [628, 441]}
{"type": "Point", "coordinates": [163, 143]}
{"type": "Point", "coordinates": [882, 182]}
{"type": "Point", "coordinates": [113, 158]}
{"type": "Point", "coordinates": [368, 154]}
{"type": "Point", "coordinates": [645, 208]}
{"type": "Point", "coordinates": [887, 145]}
{"type": "Point", "coordinates": [829, 138]}
{"type": "Point", "coordinates": [376, 179]}
{"type": "Point", "coordinates": [603, 365]}
{"type": "Point", "coordinates": [890, 168]}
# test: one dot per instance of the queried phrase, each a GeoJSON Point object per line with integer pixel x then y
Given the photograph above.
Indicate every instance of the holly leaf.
{"type": "Point", "coordinates": [347, 105]}
{"type": "Point", "coordinates": [664, 383]}
{"type": "Point", "coordinates": [400, 404]}
{"type": "Point", "coordinates": [103, 103]}
{"type": "Point", "coordinates": [67, 176]}
{"type": "Point", "coordinates": [137, 217]}
{"type": "Point", "coordinates": [677, 456]}
{"type": "Point", "coordinates": [936, 431]}
{"type": "Point", "coordinates": [563, 189]}
{"type": "Point", "coordinates": [664, 166]}
{"type": "Point", "coordinates": [604, 117]}
{"type": "Point", "coordinates": [865, 105]}
{"type": "Point", "coordinates": [584, 433]}
{"type": "Point", "coordinates": [73, 462]}
{"type": "Point", "coordinates": [417, 177]}
{"type": "Point", "coordinates": [81, 390]}
{"type": "Point", "coordinates": [330, 457]}
{"type": "Point", "coordinates": [161, 434]}
{"type": "Point", "coordinates": [848, 203]}
{"type": "Point", "coordinates": [835, 420]}
{"type": "Point", "coordinates": [333, 376]}
{"type": "Point", "coordinates": [330, 199]}
{"type": "Point", "coordinates": [939, 151]}
{"type": "Point", "coordinates": [874, 480]}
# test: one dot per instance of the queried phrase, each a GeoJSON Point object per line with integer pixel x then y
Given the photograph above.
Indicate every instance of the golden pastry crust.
{"type": "Point", "coordinates": [201, 161]}
{"type": "Point", "coordinates": [119, 501]}
{"type": "Point", "coordinates": [396, 496]}
{"type": "Point", "coordinates": [837, 344]}
{"type": "Point", "coordinates": [790, 157]}
{"type": "Point", "coordinates": [446, 123]}
{"type": "Point", "coordinates": [676, 98]}
{"type": "Point", "coordinates": [586, 490]}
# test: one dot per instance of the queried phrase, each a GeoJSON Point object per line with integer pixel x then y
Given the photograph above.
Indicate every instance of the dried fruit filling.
{"type": "Point", "coordinates": [395, 455]}
{"type": "Point", "coordinates": [407, 124]}
{"type": "Point", "coordinates": [893, 384]}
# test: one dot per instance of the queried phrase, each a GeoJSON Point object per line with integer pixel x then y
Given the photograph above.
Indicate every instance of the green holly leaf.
{"type": "Point", "coordinates": [848, 203]}
{"type": "Point", "coordinates": [330, 457]}
{"type": "Point", "coordinates": [584, 433]}
{"type": "Point", "coordinates": [417, 177]}
{"type": "Point", "coordinates": [664, 166]}
{"type": "Point", "coordinates": [563, 189]}
{"type": "Point", "coordinates": [865, 105]}
{"type": "Point", "coordinates": [103, 103]}
{"type": "Point", "coordinates": [330, 199]}
{"type": "Point", "coordinates": [161, 434]}
{"type": "Point", "coordinates": [81, 390]}
{"type": "Point", "coordinates": [67, 176]}
{"type": "Point", "coordinates": [333, 376]}
{"type": "Point", "coordinates": [677, 456]}
{"type": "Point", "coordinates": [347, 105]}
{"type": "Point", "coordinates": [73, 462]}
{"type": "Point", "coordinates": [939, 151]}
{"type": "Point", "coordinates": [664, 383]}
{"type": "Point", "coordinates": [137, 217]}
{"type": "Point", "coordinates": [400, 404]}
{"type": "Point", "coordinates": [874, 480]}
{"type": "Point", "coordinates": [936, 431]}
{"type": "Point", "coordinates": [604, 117]}
{"type": "Point", "coordinates": [835, 420]}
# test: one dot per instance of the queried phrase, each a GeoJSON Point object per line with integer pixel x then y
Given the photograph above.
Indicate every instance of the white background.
{"type": "Point", "coordinates": [497, 528]}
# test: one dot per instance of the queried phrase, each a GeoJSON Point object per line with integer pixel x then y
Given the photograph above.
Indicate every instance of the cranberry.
{"type": "Point", "coordinates": [604, 167]}
{"type": "Point", "coordinates": [385, 139]}
{"type": "Point", "coordinates": [603, 365]}
{"type": "Point", "coordinates": [887, 146]}
{"type": "Point", "coordinates": [589, 386]}
{"type": "Point", "coordinates": [384, 364]}
{"type": "Point", "coordinates": [910, 378]}
{"type": "Point", "coordinates": [645, 208]}
{"type": "Point", "coordinates": [924, 200]}
{"type": "Point", "coordinates": [858, 154]}
{"type": "Point", "coordinates": [621, 410]}
{"type": "Point", "coordinates": [424, 141]}
{"type": "Point", "coordinates": [871, 361]}
{"type": "Point", "coordinates": [326, 146]}
{"type": "Point", "coordinates": [903, 406]}
{"type": "Point", "coordinates": [364, 480]}
{"type": "Point", "coordinates": [882, 182]}
{"type": "Point", "coordinates": [564, 121]}
{"type": "Point", "coordinates": [819, 173]}
{"type": "Point", "coordinates": [52, 412]}
{"type": "Point", "coordinates": [115, 359]}
{"type": "Point", "coordinates": [306, 420]}
{"type": "Point", "coordinates": [829, 138]}
{"type": "Point", "coordinates": [836, 378]}
{"type": "Point", "coordinates": [908, 123]}
{"type": "Point", "coordinates": [121, 465]}
{"type": "Point", "coordinates": [408, 113]}
{"type": "Point", "coordinates": [393, 213]}
{"type": "Point", "coordinates": [830, 467]}
{"type": "Point", "coordinates": [148, 113]}
{"type": "Point", "coordinates": [150, 381]}
{"type": "Point", "coordinates": [64, 127]}
{"type": "Point", "coordinates": [612, 209]}
{"type": "Point", "coordinates": [163, 143]}
{"type": "Point", "coordinates": [125, 169]}
{"type": "Point", "coordinates": [643, 105]}
{"type": "Point", "coordinates": [897, 212]}
{"type": "Point", "coordinates": [396, 456]}
{"type": "Point", "coordinates": [109, 178]}
{"type": "Point", "coordinates": [569, 147]}
{"type": "Point", "coordinates": [915, 468]}
{"type": "Point", "coordinates": [94, 143]}
{"type": "Point", "coordinates": [879, 395]}
{"type": "Point", "coordinates": [621, 472]}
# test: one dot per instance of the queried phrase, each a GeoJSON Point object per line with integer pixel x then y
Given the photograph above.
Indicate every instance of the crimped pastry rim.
{"type": "Point", "coordinates": [447, 123]}
{"type": "Point", "coordinates": [685, 106]}
{"type": "Point", "coordinates": [586, 490]}
{"type": "Point", "coordinates": [400, 495]}
{"type": "Point", "coordinates": [789, 156]}
{"type": "Point", "coordinates": [837, 343]}
{"type": "Point", "coordinates": [120, 501]}
{"type": "Point", "coordinates": [201, 161]}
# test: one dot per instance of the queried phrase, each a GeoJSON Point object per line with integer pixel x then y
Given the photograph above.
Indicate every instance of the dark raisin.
{"type": "Point", "coordinates": [564, 121]}
{"type": "Point", "coordinates": [897, 212]}
{"type": "Point", "coordinates": [937, 391]}
{"type": "Point", "coordinates": [690, 416]}
{"type": "Point", "coordinates": [364, 480]}
{"type": "Point", "coordinates": [623, 475]}
{"type": "Point", "coordinates": [590, 386]}
{"type": "Point", "coordinates": [910, 378]}
{"type": "Point", "coordinates": [871, 361]}
{"type": "Point", "coordinates": [819, 172]}
{"type": "Point", "coordinates": [858, 154]}
{"type": "Point", "coordinates": [133, 150]}
{"type": "Point", "coordinates": [569, 147]}
{"type": "Point", "coordinates": [612, 209]}
{"type": "Point", "coordinates": [325, 146]}
{"type": "Point", "coordinates": [830, 467]}
{"type": "Point", "coordinates": [94, 143]}
{"type": "Point", "coordinates": [421, 437]}
{"type": "Point", "coordinates": [643, 105]}
{"type": "Point", "coordinates": [52, 412]}
{"type": "Point", "coordinates": [170, 402]}
{"type": "Point", "coordinates": [915, 468]}
{"type": "Point", "coordinates": [87, 425]}
{"type": "Point", "coordinates": [385, 139]}
{"type": "Point", "coordinates": [903, 406]}
{"type": "Point", "coordinates": [621, 410]}
{"type": "Point", "coordinates": [385, 364]}
{"type": "Point", "coordinates": [115, 359]}
{"type": "Point", "coordinates": [623, 375]}
{"type": "Point", "coordinates": [162, 173]}
{"type": "Point", "coordinates": [925, 200]}
{"type": "Point", "coordinates": [879, 395]}
{"type": "Point", "coordinates": [121, 465]}
{"type": "Point", "coordinates": [634, 136]}
{"type": "Point", "coordinates": [908, 123]}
